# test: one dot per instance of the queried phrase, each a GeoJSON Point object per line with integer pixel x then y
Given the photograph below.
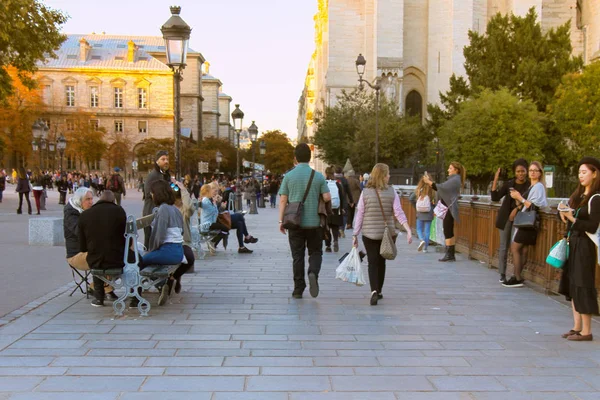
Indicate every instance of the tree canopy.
{"type": "Point", "coordinates": [492, 130]}
{"type": "Point", "coordinates": [279, 155]}
{"type": "Point", "coordinates": [29, 33]}
{"type": "Point", "coordinates": [575, 112]}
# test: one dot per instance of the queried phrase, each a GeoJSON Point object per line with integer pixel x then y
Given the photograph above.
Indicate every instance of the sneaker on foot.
{"type": "Point", "coordinates": [421, 245]}
{"type": "Point", "coordinates": [374, 297]}
{"type": "Point", "coordinates": [502, 278]}
{"type": "Point", "coordinates": [164, 294]}
{"type": "Point", "coordinates": [328, 249]}
{"type": "Point", "coordinates": [342, 234]}
{"type": "Point", "coordinates": [425, 251]}
{"type": "Point", "coordinates": [97, 303]}
{"type": "Point", "coordinates": [513, 283]}
{"type": "Point", "coordinates": [297, 294]}
{"type": "Point", "coordinates": [250, 239]}
{"type": "Point", "coordinates": [379, 296]}
{"type": "Point", "coordinates": [336, 247]}
{"type": "Point", "coordinates": [314, 285]}
{"type": "Point", "coordinates": [178, 285]}
{"type": "Point", "coordinates": [245, 250]}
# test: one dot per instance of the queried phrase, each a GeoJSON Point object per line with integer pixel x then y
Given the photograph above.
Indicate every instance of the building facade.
{"type": "Point", "coordinates": [122, 84]}
{"type": "Point", "coordinates": [216, 107]}
{"type": "Point", "coordinates": [414, 46]}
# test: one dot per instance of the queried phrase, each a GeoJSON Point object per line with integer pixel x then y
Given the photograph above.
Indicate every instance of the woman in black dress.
{"type": "Point", "coordinates": [578, 278]}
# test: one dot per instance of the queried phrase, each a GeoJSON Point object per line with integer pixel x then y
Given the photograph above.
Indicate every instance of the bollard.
{"type": "Point", "coordinates": [238, 202]}
{"type": "Point", "coordinates": [261, 201]}
{"type": "Point", "coordinates": [253, 209]}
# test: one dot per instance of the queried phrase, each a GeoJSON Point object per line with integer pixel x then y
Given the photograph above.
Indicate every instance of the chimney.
{"type": "Point", "coordinates": [84, 50]}
{"type": "Point", "coordinates": [131, 51]}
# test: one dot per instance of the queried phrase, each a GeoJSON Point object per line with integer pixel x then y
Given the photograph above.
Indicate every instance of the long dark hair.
{"type": "Point", "coordinates": [578, 197]}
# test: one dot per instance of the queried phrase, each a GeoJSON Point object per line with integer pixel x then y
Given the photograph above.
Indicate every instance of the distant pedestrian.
{"type": "Point", "coordinates": [578, 281]}
{"type": "Point", "coordinates": [335, 220]}
{"type": "Point", "coordinates": [23, 188]}
{"type": "Point", "coordinates": [37, 183]}
{"type": "Point", "coordinates": [62, 187]}
{"type": "Point", "coordinates": [449, 192]}
{"type": "Point", "coordinates": [533, 199]}
{"type": "Point", "coordinates": [273, 189]}
{"type": "Point", "coordinates": [310, 234]}
{"type": "Point", "coordinates": [116, 185]}
{"type": "Point", "coordinates": [2, 183]}
{"type": "Point", "coordinates": [508, 209]}
{"type": "Point", "coordinates": [423, 200]}
{"type": "Point", "coordinates": [355, 190]}
{"type": "Point", "coordinates": [377, 207]}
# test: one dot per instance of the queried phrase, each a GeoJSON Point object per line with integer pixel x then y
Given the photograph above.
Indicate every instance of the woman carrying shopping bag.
{"type": "Point", "coordinates": [378, 205]}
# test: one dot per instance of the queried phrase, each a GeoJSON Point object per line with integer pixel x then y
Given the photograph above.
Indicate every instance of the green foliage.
{"type": "Point", "coordinates": [347, 130]}
{"type": "Point", "coordinates": [491, 131]}
{"type": "Point", "coordinates": [575, 112]}
{"type": "Point", "coordinates": [279, 155]}
{"type": "Point", "coordinates": [515, 53]}
{"type": "Point", "coordinates": [29, 33]}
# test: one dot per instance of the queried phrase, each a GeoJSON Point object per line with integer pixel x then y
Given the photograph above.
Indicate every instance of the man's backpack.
{"type": "Point", "coordinates": [335, 194]}
{"type": "Point", "coordinates": [114, 184]}
{"type": "Point", "coordinates": [423, 204]}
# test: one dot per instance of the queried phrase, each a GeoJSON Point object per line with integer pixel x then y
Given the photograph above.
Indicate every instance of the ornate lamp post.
{"type": "Point", "coordinates": [253, 131]}
{"type": "Point", "coordinates": [61, 145]}
{"type": "Point", "coordinates": [176, 34]}
{"type": "Point", "coordinates": [238, 117]}
{"type": "Point", "coordinates": [39, 130]}
{"type": "Point", "coordinates": [360, 69]}
{"type": "Point", "coordinates": [51, 154]}
{"type": "Point", "coordinates": [219, 159]}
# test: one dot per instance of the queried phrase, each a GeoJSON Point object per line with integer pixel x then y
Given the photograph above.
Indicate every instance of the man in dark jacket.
{"type": "Point", "coordinates": [101, 235]}
{"type": "Point", "coordinates": [116, 185]}
{"type": "Point", "coordinates": [160, 171]}
{"type": "Point", "coordinates": [339, 177]}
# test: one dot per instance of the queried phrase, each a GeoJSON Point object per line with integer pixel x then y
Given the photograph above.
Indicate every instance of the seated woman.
{"type": "Point", "coordinates": [82, 200]}
{"type": "Point", "coordinates": [184, 204]}
{"type": "Point", "coordinates": [209, 215]}
{"type": "Point", "coordinates": [238, 222]}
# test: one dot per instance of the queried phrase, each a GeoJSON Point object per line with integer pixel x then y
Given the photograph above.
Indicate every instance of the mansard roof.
{"type": "Point", "coordinates": [110, 52]}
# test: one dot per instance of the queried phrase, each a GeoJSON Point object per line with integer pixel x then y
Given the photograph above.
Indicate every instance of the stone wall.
{"type": "Point", "coordinates": [591, 20]}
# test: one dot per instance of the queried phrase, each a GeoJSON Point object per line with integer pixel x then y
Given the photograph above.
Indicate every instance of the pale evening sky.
{"type": "Point", "coordinates": [259, 49]}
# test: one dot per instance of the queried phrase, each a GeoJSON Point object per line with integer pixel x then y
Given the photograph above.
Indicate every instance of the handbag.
{"type": "Point", "coordinates": [526, 219]}
{"type": "Point", "coordinates": [557, 257]}
{"type": "Point", "coordinates": [387, 249]}
{"type": "Point", "coordinates": [423, 204]}
{"type": "Point", "coordinates": [292, 216]}
{"type": "Point", "coordinates": [440, 210]}
{"type": "Point", "coordinates": [225, 219]}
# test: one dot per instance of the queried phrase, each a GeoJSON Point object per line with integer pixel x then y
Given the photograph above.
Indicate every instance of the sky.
{"type": "Point", "coordinates": [259, 49]}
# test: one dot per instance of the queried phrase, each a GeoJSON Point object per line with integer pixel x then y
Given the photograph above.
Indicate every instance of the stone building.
{"type": "Point", "coordinates": [122, 83]}
{"type": "Point", "coordinates": [415, 46]}
{"type": "Point", "coordinates": [216, 108]}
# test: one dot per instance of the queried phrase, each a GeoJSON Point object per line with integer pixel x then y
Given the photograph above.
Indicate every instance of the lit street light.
{"type": "Point", "coordinates": [360, 69]}
{"type": "Point", "coordinates": [238, 118]}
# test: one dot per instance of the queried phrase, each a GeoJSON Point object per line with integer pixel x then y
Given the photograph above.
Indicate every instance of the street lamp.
{"type": "Point", "coordinates": [263, 148]}
{"type": "Point", "coordinates": [360, 69]}
{"type": "Point", "coordinates": [253, 131]}
{"type": "Point", "coordinates": [61, 144]}
{"type": "Point", "coordinates": [39, 130]}
{"type": "Point", "coordinates": [51, 154]}
{"type": "Point", "coordinates": [176, 34]}
{"type": "Point", "coordinates": [238, 118]}
{"type": "Point", "coordinates": [219, 158]}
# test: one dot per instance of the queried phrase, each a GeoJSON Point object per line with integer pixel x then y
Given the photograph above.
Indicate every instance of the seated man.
{"type": "Point", "coordinates": [101, 235]}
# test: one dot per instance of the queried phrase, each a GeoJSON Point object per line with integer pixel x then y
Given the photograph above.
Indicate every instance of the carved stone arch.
{"type": "Point", "coordinates": [414, 81]}
{"type": "Point", "coordinates": [414, 104]}
{"type": "Point", "coordinates": [118, 82]}
{"type": "Point", "coordinates": [143, 82]}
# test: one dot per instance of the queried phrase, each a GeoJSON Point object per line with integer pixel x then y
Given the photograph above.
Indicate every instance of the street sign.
{"type": "Point", "coordinates": [259, 167]}
{"type": "Point", "coordinates": [202, 167]}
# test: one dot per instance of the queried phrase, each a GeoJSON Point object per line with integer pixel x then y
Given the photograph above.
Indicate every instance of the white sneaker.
{"type": "Point", "coordinates": [425, 251]}
{"type": "Point", "coordinates": [421, 245]}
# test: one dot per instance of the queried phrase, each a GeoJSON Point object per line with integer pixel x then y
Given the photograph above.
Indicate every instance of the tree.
{"type": "Point", "coordinates": [575, 112]}
{"type": "Point", "coordinates": [279, 155]}
{"type": "Point", "coordinates": [30, 33]}
{"type": "Point", "coordinates": [347, 130]}
{"type": "Point", "coordinates": [86, 142]}
{"type": "Point", "coordinates": [17, 114]}
{"type": "Point", "coordinates": [491, 131]}
{"type": "Point", "coordinates": [146, 151]}
{"type": "Point", "coordinates": [515, 53]}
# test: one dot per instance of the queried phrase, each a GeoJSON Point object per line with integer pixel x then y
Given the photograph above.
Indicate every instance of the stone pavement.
{"type": "Point", "coordinates": [442, 332]}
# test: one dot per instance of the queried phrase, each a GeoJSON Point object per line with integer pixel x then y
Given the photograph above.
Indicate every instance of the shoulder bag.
{"type": "Point", "coordinates": [388, 245]}
{"type": "Point", "coordinates": [292, 216]}
{"type": "Point", "coordinates": [527, 219]}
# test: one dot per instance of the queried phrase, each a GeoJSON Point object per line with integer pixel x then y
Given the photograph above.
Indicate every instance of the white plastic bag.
{"type": "Point", "coordinates": [351, 270]}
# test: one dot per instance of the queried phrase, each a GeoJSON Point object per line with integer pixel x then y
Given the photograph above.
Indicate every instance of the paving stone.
{"type": "Point", "coordinates": [341, 396]}
{"type": "Point", "coordinates": [193, 384]}
{"type": "Point", "coordinates": [346, 361]}
{"type": "Point", "coordinates": [32, 371]}
{"type": "Point", "coordinates": [435, 396]}
{"type": "Point", "coordinates": [116, 370]}
{"type": "Point", "coordinates": [381, 383]}
{"type": "Point", "coordinates": [184, 362]}
{"type": "Point", "coordinates": [64, 396]}
{"type": "Point", "coordinates": [213, 371]}
{"type": "Point", "coordinates": [545, 384]}
{"type": "Point", "coordinates": [98, 361]}
{"type": "Point", "coordinates": [96, 384]}
{"type": "Point", "coordinates": [25, 361]}
{"type": "Point", "coordinates": [18, 383]}
{"type": "Point", "coordinates": [288, 383]}
{"type": "Point", "coordinates": [251, 396]}
{"type": "Point", "coordinates": [167, 396]}
{"type": "Point", "coordinates": [466, 383]}
{"type": "Point", "coordinates": [268, 362]}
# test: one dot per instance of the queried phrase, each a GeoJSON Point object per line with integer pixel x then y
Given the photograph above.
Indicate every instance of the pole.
{"type": "Point", "coordinates": [177, 127]}
{"type": "Point", "coordinates": [40, 155]}
{"type": "Point", "coordinates": [377, 124]}
{"type": "Point", "coordinates": [253, 158]}
{"type": "Point", "coordinates": [238, 186]}
{"type": "Point", "coordinates": [61, 161]}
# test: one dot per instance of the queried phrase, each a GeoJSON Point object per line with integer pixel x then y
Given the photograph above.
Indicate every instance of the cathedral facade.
{"type": "Point", "coordinates": [414, 46]}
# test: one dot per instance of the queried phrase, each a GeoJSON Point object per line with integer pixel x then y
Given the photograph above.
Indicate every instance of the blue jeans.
{"type": "Point", "coordinates": [423, 230]}
{"type": "Point", "coordinates": [167, 254]}
{"type": "Point", "coordinates": [239, 224]}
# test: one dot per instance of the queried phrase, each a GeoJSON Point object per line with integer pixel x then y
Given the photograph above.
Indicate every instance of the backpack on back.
{"type": "Point", "coordinates": [424, 204]}
{"type": "Point", "coordinates": [335, 194]}
{"type": "Point", "coordinates": [114, 184]}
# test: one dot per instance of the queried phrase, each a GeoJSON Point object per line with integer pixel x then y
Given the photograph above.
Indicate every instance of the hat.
{"type": "Point", "coordinates": [591, 161]}
{"type": "Point", "coordinates": [366, 176]}
{"type": "Point", "coordinates": [161, 153]}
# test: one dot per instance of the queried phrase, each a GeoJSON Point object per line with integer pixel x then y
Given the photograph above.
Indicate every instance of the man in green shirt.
{"type": "Point", "coordinates": [310, 234]}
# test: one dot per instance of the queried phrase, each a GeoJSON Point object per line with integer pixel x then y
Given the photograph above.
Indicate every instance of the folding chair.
{"type": "Point", "coordinates": [81, 278]}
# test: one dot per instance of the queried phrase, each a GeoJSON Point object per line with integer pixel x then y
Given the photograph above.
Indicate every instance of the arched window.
{"type": "Point", "coordinates": [414, 104]}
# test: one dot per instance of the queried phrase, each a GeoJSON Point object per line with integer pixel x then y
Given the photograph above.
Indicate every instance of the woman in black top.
{"type": "Point", "coordinates": [506, 214]}
{"type": "Point", "coordinates": [23, 189]}
{"type": "Point", "coordinates": [578, 279]}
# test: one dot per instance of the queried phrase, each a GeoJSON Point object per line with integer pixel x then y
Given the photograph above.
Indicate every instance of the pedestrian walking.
{"type": "Point", "coordinates": [23, 188]}
{"type": "Point", "coordinates": [449, 192]}
{"type": "Point", "coordinates": [299, 183]}
{"type": "Point", "coordinates": [335, 221]}
{"type": "Point", "coordinates": [355, 189]}
{"type": "Point", "coordinates": [273, 189]}
{"type": "Point", "coordinates": [533, 199]}
{"type": "Point", "coordinates": [2, 183]}
{"type": "Point", "coordinates": [347, 197]}
{"type": "Point", "coordinates": [423, 201]}
{"type": "Point", "coordinates": [37, 185]}
{"type": "Point", "coordinates": [508, 209]}
{"type": "Point", "coordinates": [116, 185]}
{"type": "Point", "coordinates": [377, 207]}
{"type": "Point", "coordinates": [160, 171]}
{"type": "Point", "coordinates": [62, 187]}
{"type": "Point", "coordinates": [578, 280]}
